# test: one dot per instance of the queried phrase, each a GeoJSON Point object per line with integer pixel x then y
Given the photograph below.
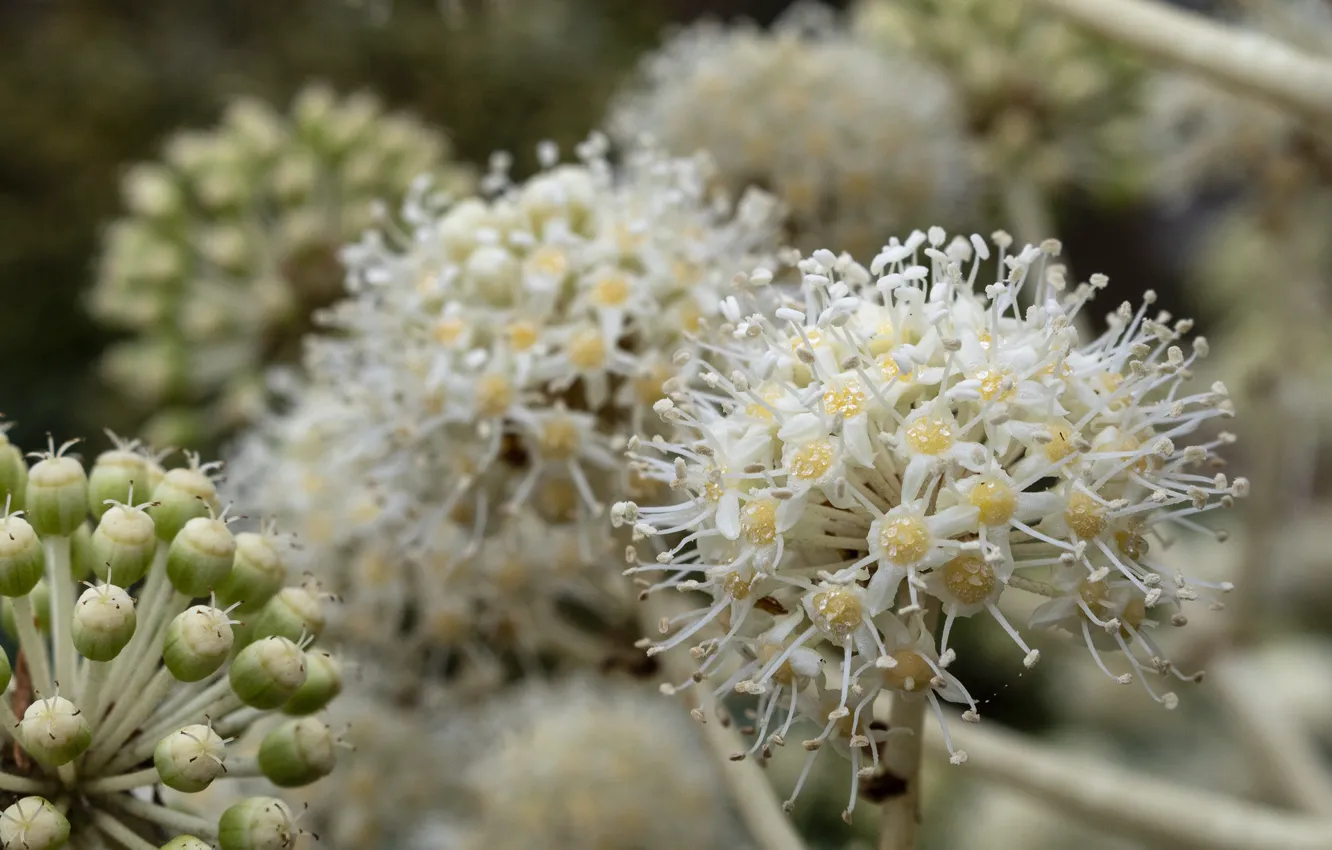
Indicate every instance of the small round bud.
{"type": "Point", "coordinates": [323, 682]}
{"type": "Point", "coordinates": [81, 553]}
{"type": "Point", "coordinates": [297, 753]}
{"type": "Point", "coordinates": [56, 501]}
{"type": "Point", "coordinates": [40, 599]}
{"type": "Point", "coordinates": [22, 558]}
{"type": "Point", "coordinates": [186, 842]}
{"type": "Point", "coordinates": [200, 556]}
{"type": "Point", "coordinates": [54, 731]}
{"type": "Point", "coordinates": [103, 622]}
{"type": "Point", "coordinates": [293, 613]}
{"type": "Point", "coordinates": [13, 474]}
{"type": "Point", "coordinates": [124, 542]}
{"type": "Point", "coordinates": [268, 672]}
{"type": "Point", "coordinates": [33, 824]}
{"type": "Point", "coordinates": [182, 495]}
{"type": "Point", "coordinates": [189, 759]}
{"type": "Point", "coordinates": [259, 823]}
{"type": "Point", "coordinates": [198, 642]}
{"type": "Point", "coordinates": [256, 574]}
{"type": "Point", "coordinates": [6, 671]}
{"type": "Point", "coordinates": [112, 474]}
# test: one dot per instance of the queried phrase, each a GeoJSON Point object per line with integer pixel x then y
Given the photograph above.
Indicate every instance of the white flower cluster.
{"type": "Point", "coordinates": [892, 450]}
{"type": "Point", "coordinates": [448, 462]}
{"type": "Point", "coordinates": [855, 142]}
{"type": "Point", "coordinates": [140, 693]}
{"type": "Point", "coordinates": [231, 240]}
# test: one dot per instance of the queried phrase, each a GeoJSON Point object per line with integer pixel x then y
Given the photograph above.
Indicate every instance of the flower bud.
{"type": "Point", "coordinates": [56, 501]}
{"type": "Point", "coordinates": [198, 643]}
{"type": "Point", "coordinates": [33, 824]}
{"type": "Point", "coordinates": [189, 759]}
{"type": "Point", "coordinates": [81, 553]}
{"type": "Point", "coordinates": [103, 622]}
{"type": "Point", "coordinates": [293, 613]}
{"type": "Point", "coordinates": [182, 495]}
{"type": "Point", "coordinates": [112, 474]}
{"type": "Point", "coordinates": [22, 558]}
{"type": "Point", "coordinates": [297, 753]}
{"type": "Point", "coordinates": [54, 731]}
{"type": "Point", "coordinates": [200, 556]}
{"type": "Point", "coordinates": [40, 599]}
{"type": "Point", "coordinates": [323, 682]}
{"type": "Point", "coordinates": [268, 672]}
{"type": "Point", "coordinates": [6, 671]}
{"type": "Point", "coordinates": [13, 474]}
{"type": "Point", "coordinates": [186, 842]}
{"type": "Point", "coordinates": [256, 574]}
{"type": "Point", "coordinates": [125, 542]}
{"type": "Point", "coordinates": [259, 823]}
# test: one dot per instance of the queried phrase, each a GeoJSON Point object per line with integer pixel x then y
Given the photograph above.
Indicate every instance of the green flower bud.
{"type": "Point", "coordinates": [56, 501]}
{"type": "Point", "coordinates": [124, 542]}
{"type": "Point", "coordinates": [257, 573]}
{"type": "Point", "coordinates": [297, 753]}
{"type": "Point", "coordinates": [259, 823]}
{"type": "Point", "coordinates": [40, 599]}
{"type": "Point", "coordinates": [22, 558]}
{"type": "Point", "coordinates": [103, 622]}
{"type": "Point", "coordinates": [186, 842]}
{"type": "Point", "coordinates": [189, 759]}
{"type": "Point", "coordinates": [198, 643]}
{"type": "Point", "coordinates": [200, 556]}
{"type": "Point", "coordinates": [268, 672]}
{"type": "Point", "coordinates": [182, 495]}
{"type": "Point", "coordinates": [294, 613]}
{"type": "Point", "coordinates": [113, 477]}
{"type": "Point", "coordinates": [54, 731]}
{"type": "Point", "coordinates": [33, 824]}
{"type": "Point", "coordinates": [6, 671]}
{"type": "Point", "coordinates": [323, 682]}
{"type": "Point", "coordinates": [13, 474]}
{"type": "Point", "coordinates": [81, 552]}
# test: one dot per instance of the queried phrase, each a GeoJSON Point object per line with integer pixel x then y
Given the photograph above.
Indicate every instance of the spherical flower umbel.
{"type": "Point", "coordinates": [853, 141]}
{"type": "Point", "coordinates": [231, 240]}
{"type": "Point", "coordinates": [899, 448]}
{"type": "Point", "coordinates": [448, 463]}
{"type": "Point", "coordinates": [139, 687]}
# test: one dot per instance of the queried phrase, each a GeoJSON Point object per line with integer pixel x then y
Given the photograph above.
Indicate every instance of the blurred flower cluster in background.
{"type": "Point", "coordinates": [681, 423]}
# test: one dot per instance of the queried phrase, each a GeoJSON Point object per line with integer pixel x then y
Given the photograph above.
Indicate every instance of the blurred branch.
{"type": "Point", "coordinates": [1126, 802]}
{"type": "Point", "coordinates": [1244, 61]}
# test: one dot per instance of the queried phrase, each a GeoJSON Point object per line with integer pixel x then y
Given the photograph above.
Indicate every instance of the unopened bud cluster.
{"type": "Point", "coordinates": [899, 448]}
{"type": "Point", "coordinates": [149, 636]}
{"type": "Point", "coordinates": [231, 240]}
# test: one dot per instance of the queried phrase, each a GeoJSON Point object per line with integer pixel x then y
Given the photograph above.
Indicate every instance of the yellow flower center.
{"type": "Point", "coordinates": [969, 578]}
{"type": "Point", "coordinates": [992, 384]}
{"type": "Point", "coordinates": [494, 394]}
{"type": "Point", "coordinates": [837, 612]}
{"type": "Point", "coordinates": [904, 539]}
{"type": "Point", "coordinates": [587, 351]}
{"type": "Point", "coordinates": [911, 672]}
{"type": "Point", "coordinates": [846, 401]}
{"type": "Point", "coordinates": [559, 438]}
{"type": "Point", "coordinates": [1085, 515]}
{"type": "Point", "coordinates": [448, 330]}
{"type": "Point", "coordinates": [930, 436]}
{"type": "Point", "coordinates": [737, 586]}
{"type": "Point", "coordinates": [522, 334]}
{"type": "Point", "coordinates": [812, 461]}
{"type": "Point", "coordinates": [611, 291]}
{"type": "Point", "coordinates": [758, 521]}
{"type": "Point", "coordinates": [1061, 444]}
{"type": "Point", "coordinates": [996, 501]}
{"type": "Point", "coordinates": [550, 261]}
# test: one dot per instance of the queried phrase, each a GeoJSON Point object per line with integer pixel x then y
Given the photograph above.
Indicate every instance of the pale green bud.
{"type": "Point", "coordinates": [124, 541]}
{"type": "Point", "coordinates": [40, 599]}
{"type": "Point", "coordinates": [33, 824]}
{"type": "Point", "coordinates": [6, 671]}
{"type": "Point", "coordinates": [182, 495]}
{"type": "Point", "coordinates": [103, 622]}
{"type": "Point", "coordinates": [297, 753]}
{"type": "Point", "coordinates": [111, 478]}
{"type": "Point", "coordinates": [259, 823]}
{"type": "Point", "coordinates": [13, 474]}
{"type": "Point", "coordinates": [22, 558]}
{"type": "Point", "coordinates": [198, 643]}
{"type": "Point", "coordinates": [56, 501]}
{"type": "Point", "coordinates": [323, 682]}
{"type": "Point", "coordinates": [186, 842]}
{"type": "Point", "coordinates": [54, 731]}
{"type": "Point", "coordinates": [268, 672]}
{"type": "Point", "coordinates": [256, 574]}
{"type": "Point", "coordinates": [200, 556]}
{"type": "Point", "coordinates": [189, 759]}
{"type": "Point", "coordinates": [294, 613]}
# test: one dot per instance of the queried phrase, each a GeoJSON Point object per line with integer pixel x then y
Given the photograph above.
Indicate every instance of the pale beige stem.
{"type": "Point", "coordinates": [1240, 60]}
{"type": "Point", "coordinates": [1126, 802]}
{"type": "Point", "coordinates": [900, 820]}
{"type": "Point", "coordinates": [750, 789]}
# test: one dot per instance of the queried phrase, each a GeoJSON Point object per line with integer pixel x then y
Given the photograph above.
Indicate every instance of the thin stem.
{"type": "Point", "coordinates": [900, 823]}
{"type": "Point", "coordinates": [750, 788]}
{"type": "Point", "coordinates": [34, 646]}
{"type": "Point", "coordinates": [123, 782]}
{"type": "Point", "coordinates": [127, 717]}
{"type": "Point", "coordinates": [119, 833]}
{"type": "Point", "coordinates": [23, 784]}
{"type": "Point", "coordinates": [1247, 62]}
{"type": "Point", "coordinates": [131, 658]}
{"type": "Point", "coordinates": [169, 818]}
{"type": "Point", "coordinates": [93, 683]}
{"type": "Point", "coordinates": [1126, 802]}
{"type": "Point", "coordinates": [60, 580]}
